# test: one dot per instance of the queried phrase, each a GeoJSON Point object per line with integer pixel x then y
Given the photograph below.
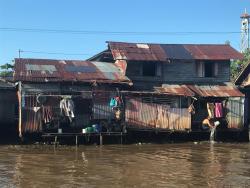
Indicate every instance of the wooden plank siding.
{"type": "Point", "coordinates": [181, 71]}
{"type": "Point", "coordinates": [178, 72]}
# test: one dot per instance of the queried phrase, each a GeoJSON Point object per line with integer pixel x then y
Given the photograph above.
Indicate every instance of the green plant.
{"type": "Point", "coordinates": [238, 65]}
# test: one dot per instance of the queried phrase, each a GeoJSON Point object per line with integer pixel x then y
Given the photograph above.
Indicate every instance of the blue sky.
{"type": "Point", "coordinates": [112, 15]}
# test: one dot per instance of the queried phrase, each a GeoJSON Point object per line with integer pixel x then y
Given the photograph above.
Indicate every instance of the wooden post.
{"type": "Point", "coordinates": [121, 137]}
{"type": "Point", "coordinates": [76, 140]}
{"type": "Point", "coordinates": [19, 94]}
{"type": "Point", "coordinates": [55, 143]}
{"type": "Point", "coordinates": [101, 139]}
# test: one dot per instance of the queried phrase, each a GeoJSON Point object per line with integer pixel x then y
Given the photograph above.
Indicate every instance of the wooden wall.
{"type": "Point", "coordinates": [176, 72]}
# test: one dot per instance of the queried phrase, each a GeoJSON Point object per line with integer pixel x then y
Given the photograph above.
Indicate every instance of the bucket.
{"type": "Point", "coordinates": [97, 128]}
{"type": "Point", "coordinates": [59, 131]}
{"type": "Point", "coordinates": [90, 130]}
{"type": "Point", "coordinates": [83, 131]}
{"type": "Point", "coordinates": [216, 123]}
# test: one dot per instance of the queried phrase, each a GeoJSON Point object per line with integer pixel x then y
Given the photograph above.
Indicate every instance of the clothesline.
{"type": "Point", "coordinates": [62, 95]}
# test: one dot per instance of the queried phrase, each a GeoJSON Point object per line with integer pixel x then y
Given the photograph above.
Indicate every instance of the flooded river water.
{"type": "Point", "coordinates": [142, 165]}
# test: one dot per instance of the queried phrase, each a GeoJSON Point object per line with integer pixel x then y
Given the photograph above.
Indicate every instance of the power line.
{"type": "Point", "coordinates": [52, 53]}
{"type": "Point", "coordinates": [93, 32]}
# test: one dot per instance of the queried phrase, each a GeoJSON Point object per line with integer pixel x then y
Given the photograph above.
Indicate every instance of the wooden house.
{"type": "Point", "coordinates": [65, 95]}
{"type": "Point", "coordinates": [174, 85]}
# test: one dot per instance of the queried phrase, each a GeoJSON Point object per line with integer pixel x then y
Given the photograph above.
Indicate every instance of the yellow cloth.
{"type": "Point", "coordinates": [210, 110]}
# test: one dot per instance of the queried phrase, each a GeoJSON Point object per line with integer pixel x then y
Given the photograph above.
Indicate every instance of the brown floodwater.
{"type": "Point", "coordinates": [201, 164]}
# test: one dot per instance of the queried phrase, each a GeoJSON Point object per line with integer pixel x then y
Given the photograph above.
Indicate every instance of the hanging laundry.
{"type": "Point", "coordinates": [67, 108]}
{"type": "Point", "coordinates": [113, 102]}
{"type": "Point", "coordinates": [36, 108]}
{"type": "Point", "coordinates": [118, 114]}
{"type": "Point", "coordinates": [210, 110]}
{"type": "Point", "coordinates": [47, 114]}
{"type": "Point", "coordinates": [218, 110]}
{"type": "Point", "coordinates": [191, 109]}
{"type": "Point", "coordinates": [118, 100]}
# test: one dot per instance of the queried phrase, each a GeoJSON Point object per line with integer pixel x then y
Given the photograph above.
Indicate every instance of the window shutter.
{"type": "Point", "coordinates": [158, 69]}
{"type": "Point", "coordinates": [200, 69]}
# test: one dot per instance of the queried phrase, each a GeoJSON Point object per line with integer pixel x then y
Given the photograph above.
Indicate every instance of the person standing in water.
{"type": "Point", "coordinates": [208, 123]}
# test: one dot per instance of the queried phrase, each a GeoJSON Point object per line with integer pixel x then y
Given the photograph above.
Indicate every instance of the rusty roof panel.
{"type": "Point", "coordinates": [6, 85]}
{"type": "Point", "coordinates": [163, 52]}
{"type": "Point", "coordinates": [44, 70]}
{"type": "Point", "coordinates": [181, 90]}
{"type": "Point", "coordinates": [227, 90]}
{"type": "Point", "coordinates": [213, 52]}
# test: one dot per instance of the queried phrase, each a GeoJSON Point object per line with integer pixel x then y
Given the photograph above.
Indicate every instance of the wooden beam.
{"type": "Point", "coordinates": [19, 94]}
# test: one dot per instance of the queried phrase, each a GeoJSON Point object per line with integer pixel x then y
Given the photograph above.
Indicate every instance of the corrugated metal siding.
{"type": "Point", "coordinates": [101, 108]}
{"type": "Point", "coordinates": [102, 111]}
{"type": "Point", "coordinates": [31, 120]}
{"type": "Point", "coordinates": [140, 114]}
{"type": "Point", "coordinates": [235, 112]}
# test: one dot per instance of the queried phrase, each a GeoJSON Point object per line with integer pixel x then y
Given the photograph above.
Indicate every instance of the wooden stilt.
{"type": "Point", "coordinates": [101, 139]}
{"type": "Point", "coordinates": [76, 140]}
{"type": "Point", "coordinates": [19, 94]}
{"type": "Point", "coordinates": [121, 138]}
{"type": "Point", "coordinates": [55, 143]}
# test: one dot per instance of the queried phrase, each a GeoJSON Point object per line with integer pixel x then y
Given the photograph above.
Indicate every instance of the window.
{"type": "Point", "coordinates": [133, 69]}
{"type": "Point", "coordinates": [207, 69]}
{"type": "Point", "coordinates": [149, 69]}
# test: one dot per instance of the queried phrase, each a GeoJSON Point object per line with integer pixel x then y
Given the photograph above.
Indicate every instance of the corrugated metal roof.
{"type": "Point", "coordinates": [45, 70]}
{"type": "Point", "coordinates": [181, 90]}
{"type": "Point", "coordinates": [6, 85]}
{"type": "Point", "coordinates": [227, 90]}
{"type": "Point", "coordinates": [163, 52]}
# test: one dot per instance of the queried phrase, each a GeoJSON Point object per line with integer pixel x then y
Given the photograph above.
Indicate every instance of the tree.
{"type": "Point", "coordinates": [238, 66]}
{"type": "Point", "coordinates": [6, 70]}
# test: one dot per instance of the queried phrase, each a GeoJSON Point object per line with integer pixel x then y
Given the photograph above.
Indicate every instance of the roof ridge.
{"type": "Point", "coordinates": [212, 44]}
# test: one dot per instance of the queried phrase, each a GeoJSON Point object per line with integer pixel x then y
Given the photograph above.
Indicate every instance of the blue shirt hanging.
{"type": "Point", "coordinates": [112, 102]}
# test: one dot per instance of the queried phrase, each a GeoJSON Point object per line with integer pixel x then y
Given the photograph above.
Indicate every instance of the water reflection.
{"type": "Point", "coordinates": [170, 165]}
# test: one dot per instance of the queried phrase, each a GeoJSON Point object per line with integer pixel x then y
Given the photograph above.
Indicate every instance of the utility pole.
{"type": "Point", "coordinates": [19, 53]}
{"type": "Point", "coordinates": [244, 45]}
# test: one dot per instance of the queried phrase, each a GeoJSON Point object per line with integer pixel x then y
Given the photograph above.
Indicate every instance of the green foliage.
{"type": "Point", "coordinates": [6, 70]}
{"type": "Point", "coordinates": [238, 66]}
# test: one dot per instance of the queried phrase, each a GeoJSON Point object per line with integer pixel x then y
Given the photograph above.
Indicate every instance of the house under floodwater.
{"type": "Point", "coordinates": [177, 86]}
{"type": "Point", "coordinates": [157, 89]}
